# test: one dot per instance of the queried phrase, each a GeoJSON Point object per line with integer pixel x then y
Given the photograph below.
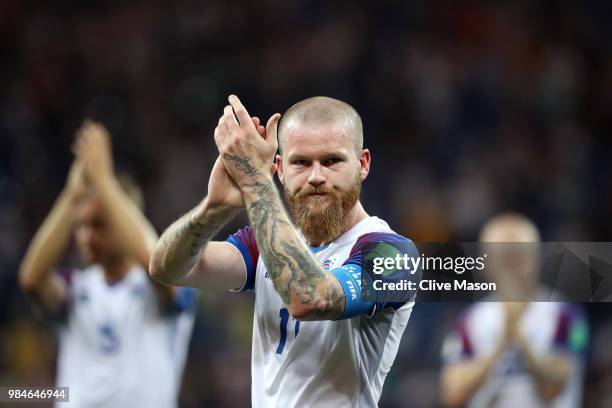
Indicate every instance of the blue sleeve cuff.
{"type": "Point", "coordinates": [349, 276]}
{"type": "Point", "coordinates": [249, 283]}
{"type": "Point", "coordinates": [184, 299]}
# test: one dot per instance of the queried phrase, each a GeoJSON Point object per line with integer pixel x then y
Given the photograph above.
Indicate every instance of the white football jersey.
{"type": "Point", "coordinates": [341, 363]}
{"type": "Point", "coordinates": [547, 326]}
{"type": "Point", "coordinates": [118, 346]}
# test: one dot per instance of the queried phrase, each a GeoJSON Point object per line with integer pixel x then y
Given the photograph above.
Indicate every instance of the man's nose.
{"type": "Point", "coordinates": [316, 177]}
{"type": "Point", "coordinates": [88, 235]}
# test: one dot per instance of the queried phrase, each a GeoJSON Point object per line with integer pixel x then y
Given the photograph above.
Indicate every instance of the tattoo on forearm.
{"type": "Point", "coordinates": [185, 239]}
{"type": "Point", "coordinates": [198, 235]}
{"type": "Point", "coordinates": [242, 164]}
{"type": "Point", "coordinates": [291, 266]}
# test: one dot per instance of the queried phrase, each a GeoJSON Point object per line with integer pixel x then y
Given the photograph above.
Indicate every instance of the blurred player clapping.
{"type": "Point", "coordinates": [123, 337]}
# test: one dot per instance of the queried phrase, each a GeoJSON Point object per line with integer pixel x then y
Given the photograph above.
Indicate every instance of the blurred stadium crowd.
{"type": "Point", "coordinates": [469, 108]}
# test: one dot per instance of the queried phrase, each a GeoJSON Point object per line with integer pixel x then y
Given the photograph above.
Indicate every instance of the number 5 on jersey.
{"type": "Point", "coordinates": [109, 341]}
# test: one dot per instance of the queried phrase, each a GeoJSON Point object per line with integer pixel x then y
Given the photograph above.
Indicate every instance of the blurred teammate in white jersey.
{"type": "Point", "coordinates": [123, 337]}
{"type": "Point", "coordinates": [509, 353]}
{"type": "Point", "coordinates": [316, 343]}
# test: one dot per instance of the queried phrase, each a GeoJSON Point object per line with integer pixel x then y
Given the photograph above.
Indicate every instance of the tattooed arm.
{"type": "Point", "coordinates": [185, 257]}
{"type": "Point", "coordinates": [309, 292]}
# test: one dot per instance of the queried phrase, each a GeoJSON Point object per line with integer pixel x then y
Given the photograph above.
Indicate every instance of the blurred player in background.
{"type": "Point", "coordinates": [315, 342]}
{"type": "Point", "coordinates": [123, 337]}
{"type": "Point", "coordinates": [515, 354]}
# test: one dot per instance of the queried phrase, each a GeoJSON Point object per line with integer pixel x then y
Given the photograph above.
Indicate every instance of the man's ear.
{"type": "Point", "coordinates": [279, 168]}
{"type": "Point", "coordinates": [364, 164]}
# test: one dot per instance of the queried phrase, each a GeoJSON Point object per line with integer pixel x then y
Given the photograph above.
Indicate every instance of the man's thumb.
{"type": "Point", "coordinates": [272, 128]}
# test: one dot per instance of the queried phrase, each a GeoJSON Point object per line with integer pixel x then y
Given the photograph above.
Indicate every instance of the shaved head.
{"type": "Point", "coordinates": [512, 242]}
{"type": "Point", "coordinates": [321, 112]}
{"type": "Point", "coordinates": [321, 165]}
{"type": "Point", "coordinates": [510, 227]}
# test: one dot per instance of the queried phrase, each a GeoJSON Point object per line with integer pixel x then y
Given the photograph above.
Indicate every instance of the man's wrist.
{"type": "Point", "coordinates": [254, 192]}
{"type": "Point", "coordinates": [108, 186]}
{"type": "Point", "coordinates": [205, 211]}
{"type": "Point", "coordinates": [103, 177]}
{"type": "Point", "coordinates": [71, 193]}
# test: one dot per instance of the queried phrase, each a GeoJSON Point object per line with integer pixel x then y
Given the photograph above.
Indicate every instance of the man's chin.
{"type": "Point", "coordinates": [318, 198]}
{"type": "Point", "coordinates": [90, 257]}
{"type": "Point", "coordinates": [317, 205]}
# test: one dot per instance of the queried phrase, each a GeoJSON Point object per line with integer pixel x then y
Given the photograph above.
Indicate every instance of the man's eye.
{"type": "Point", "coordinates": [301, 162]}
{"type": "Point", "coordinates": [331, 160]}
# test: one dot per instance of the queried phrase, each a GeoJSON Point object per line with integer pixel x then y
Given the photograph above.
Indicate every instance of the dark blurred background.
{"type": "Point", "coordinates": [469, 108]}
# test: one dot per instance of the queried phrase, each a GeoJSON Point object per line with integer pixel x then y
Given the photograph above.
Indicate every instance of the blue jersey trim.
{"type": "Point", "coordinates": [349, 277]}
{"type": "Point", "coordinates": [250, 266]}
{"type": "Point", "coordinates": [318, 249]}
{"type": "Point", "coordinates": [356, 263]}
{"type": "Point", "coordinates": [184, 299]}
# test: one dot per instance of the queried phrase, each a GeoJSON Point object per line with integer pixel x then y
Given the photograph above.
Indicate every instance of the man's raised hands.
{"type": "Point", "coordinates": [246, 148]}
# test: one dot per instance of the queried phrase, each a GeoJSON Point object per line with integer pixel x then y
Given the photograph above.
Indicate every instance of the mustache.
{"type": "Point", "coordinates": [316, 190]}
{"type": "Point", "coordinates": [324, 223]}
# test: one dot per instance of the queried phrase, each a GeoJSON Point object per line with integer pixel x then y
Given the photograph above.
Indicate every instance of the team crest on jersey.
{"type": "Point", "coordinates": [328, 263]}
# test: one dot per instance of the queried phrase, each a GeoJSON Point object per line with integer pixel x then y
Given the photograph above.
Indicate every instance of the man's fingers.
{"type": "Point", "coordinates": [80, 132]}
{"type": "Point", "coordinates": [222, 126]}
{"type": "Point", "coordinates": [83, 139]}
{"type": "Point", "coordinates": [82, 129]}
{"type": "Point", "coordinates": [92, 131]}
{"type": "Point", "coordinates": [241, 112]}
{"type": "Point", "coordinates": [272, 128]}
{"type": "Point", "coordinates": [78, 148]}
{"type": "Point", "coordinates": [222, 130]}
{"type": "Point", "coordinates": [230, 119]}
{"type": "Point", "coordinates": [260, 129]}
{"type": "Point", "coordinates": [216, 136]}
{"type": "Point", "coordinates": [74, 149]}
{"type": "Point", "coordinates": [219, 136]}
{"type": "Point", "coordinates": [99, 131]}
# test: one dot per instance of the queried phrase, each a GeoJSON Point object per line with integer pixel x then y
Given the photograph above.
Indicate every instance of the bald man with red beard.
{"type": "Point", "coordinates": [316, 340]}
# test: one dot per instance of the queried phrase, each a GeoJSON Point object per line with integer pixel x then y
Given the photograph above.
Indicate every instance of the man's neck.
{"type": "Point", "coordinates": [116, 269]}
{"type": "Point", "coordinates": [354, 217]}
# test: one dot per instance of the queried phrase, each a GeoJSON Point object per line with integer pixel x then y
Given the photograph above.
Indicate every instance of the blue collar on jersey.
{"type": "Point", "coordinates": [319, 248]}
